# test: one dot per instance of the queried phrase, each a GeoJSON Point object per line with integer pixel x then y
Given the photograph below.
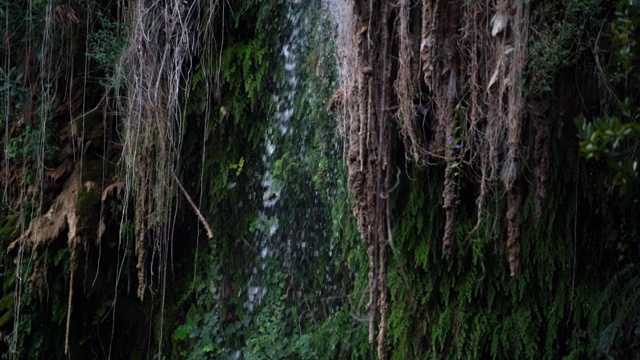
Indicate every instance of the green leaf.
{"type": "Point", "coordinates": [180, 333]}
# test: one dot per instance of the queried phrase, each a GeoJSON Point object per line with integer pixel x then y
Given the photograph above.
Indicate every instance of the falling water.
{"type": "Point", "coordinates": [280, 128]}
{"type": "Point", "coordinates": [293, 230]}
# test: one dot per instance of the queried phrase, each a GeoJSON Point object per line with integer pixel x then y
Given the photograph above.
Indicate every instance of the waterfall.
{"type": "Point", "coordinates": [274, 238]}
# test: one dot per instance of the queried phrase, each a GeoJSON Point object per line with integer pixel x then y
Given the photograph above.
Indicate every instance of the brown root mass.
{"type": "Point", "coordinates": [454, 71]}
{"type": "Point", "coordinates": [147, 97]}
{"type": "Point", "coordinates": [366, 102]}
{"type": "Point", "coordinates": [478, 69]}
{"type": "Point", "coordinates": [161, 45]}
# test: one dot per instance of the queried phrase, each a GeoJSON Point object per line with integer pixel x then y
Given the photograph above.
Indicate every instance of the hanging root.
{"type": "Point", "coordinates": [383, 303]}
{"type": "Point", "coordinates": [365, 99]}
{"type": "Point", "coordinates": [450, 212]}
{"type": "Point", "coordinates": [373, 291]}
{"type": "Point", "coordinates": [445, 81]}
{"type": "Point", "coordinates": [405, 84]}
{"type": "Point", "coordinates": [161, 45]}
{"type": "Point", "coordinates": [471, 82]}
{"type": "Point", "coordinates": [513, 230]}
{"type": "Point", "coordinates": [428, 40]}
{"type": "Point", "coordinates": [194, 207]}
{"type": "Point", "coordinates": [141, 210]}
{"type": "Point", "coordinates": [73, 244]}
{"type": "Point", "coordinates": [449, 197]}
{"type": "Point", "coordinates": [511, 171]}
{"type": "Point", "coordinates": [500, 148]}
{"type": "Point", "coordinates": [542, 131]}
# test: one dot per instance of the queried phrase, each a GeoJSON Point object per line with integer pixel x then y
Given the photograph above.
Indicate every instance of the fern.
{"type": "Point", "coordinates": [625, 311]}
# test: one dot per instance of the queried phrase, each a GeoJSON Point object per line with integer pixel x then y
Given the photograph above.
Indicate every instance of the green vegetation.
{"type": "Point", "coordinates": [104, 256]}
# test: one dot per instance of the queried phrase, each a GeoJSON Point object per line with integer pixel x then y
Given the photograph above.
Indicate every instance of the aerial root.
{"type": "Point", "coordinates": [194, 207]}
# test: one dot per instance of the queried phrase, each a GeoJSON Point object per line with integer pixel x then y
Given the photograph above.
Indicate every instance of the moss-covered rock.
{"type": "Point", "coordinates": [88, 206]}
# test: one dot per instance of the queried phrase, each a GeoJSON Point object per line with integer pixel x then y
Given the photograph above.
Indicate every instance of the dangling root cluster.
{"type": "Point", "coordinates": [365, 100]}
{"type": "Point", "coordinates": [472, 88]}
{"type": "Point", "coordinates": [162, 43]}
{"type": "Point", "coordinates": [453, 84]}
{"type": "Point", "coordinates": [487, 60]}
{"type": "Point", "coordinates": [149, 87]}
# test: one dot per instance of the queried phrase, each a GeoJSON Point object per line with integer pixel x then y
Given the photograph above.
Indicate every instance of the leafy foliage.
{"type": "Point", "coordinates": [615, 134]}
{"type": "Point", "coordinates": [615, 139]}
{"type": "Point", "coordinates": [107, 42]}
{"type": "Point", "coordinates": [577, 292]}
{"type": "Point", "coordinates": [559, 44]}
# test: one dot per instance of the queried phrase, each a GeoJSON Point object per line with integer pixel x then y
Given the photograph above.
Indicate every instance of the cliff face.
{"type": "Point", "coordinates": [458, 120]}
{"type": "Point", "coordinates": [134, 133]}
{"type": "Point", "coordinates": [97, 101]}
{"type": "Point", "coordinates": [166, 161]}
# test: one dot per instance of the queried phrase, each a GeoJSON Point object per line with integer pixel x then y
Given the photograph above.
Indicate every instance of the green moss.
{"type": "Point", "coordinates": [8, 231]}
{"type": "Point", "coordinates": [93, 170]}
{"type": "Point", "coordinates": [6, 308]}
{"type": "Point", "coordinates": [88, 206]}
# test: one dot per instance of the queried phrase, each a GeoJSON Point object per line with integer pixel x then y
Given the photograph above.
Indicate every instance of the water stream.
{"type": "Point", "coordinates": [294, 230]}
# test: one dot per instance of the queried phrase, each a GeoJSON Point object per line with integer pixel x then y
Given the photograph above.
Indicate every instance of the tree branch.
{"type": "Point", "coordinates": [195, 208]}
